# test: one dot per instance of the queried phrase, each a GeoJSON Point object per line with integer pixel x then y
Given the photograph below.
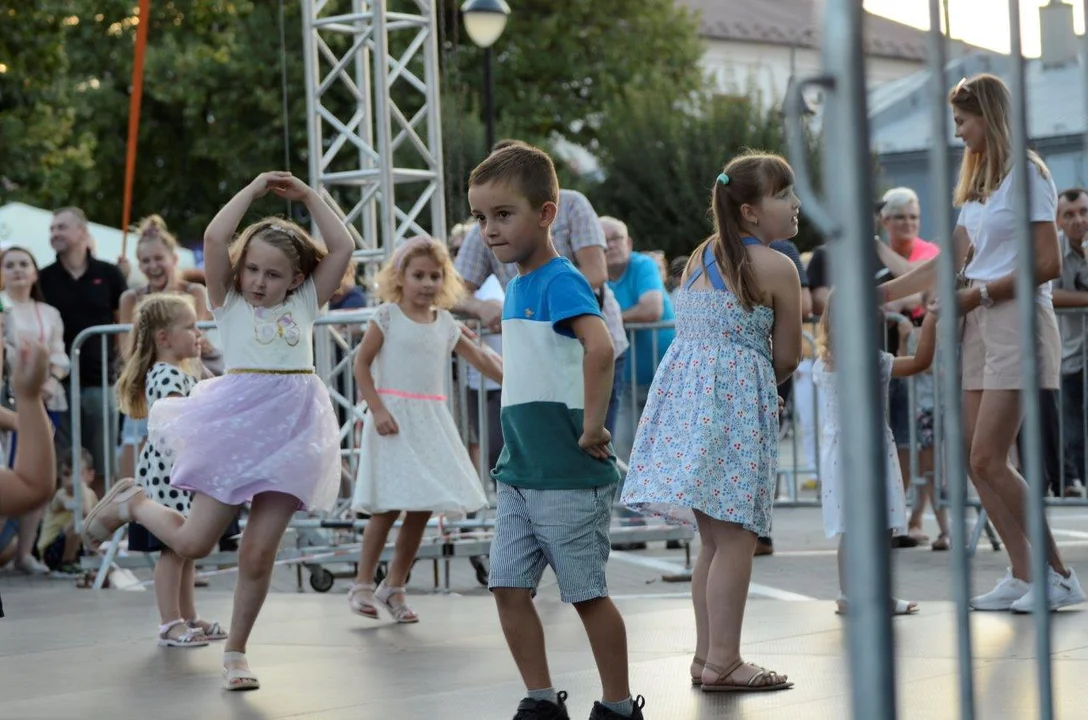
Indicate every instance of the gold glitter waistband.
{"type": "Point", "coordinates": [257, 371]}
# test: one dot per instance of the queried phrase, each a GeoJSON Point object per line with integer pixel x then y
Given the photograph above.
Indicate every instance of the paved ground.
{"type": "Point", "coordinates": [803, 566]}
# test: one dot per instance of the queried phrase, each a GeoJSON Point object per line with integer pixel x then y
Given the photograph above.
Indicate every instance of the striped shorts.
{"type": "Point", "coordinates": [564, 529]}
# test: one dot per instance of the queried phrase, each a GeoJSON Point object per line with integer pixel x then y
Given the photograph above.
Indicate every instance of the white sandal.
{"type": "Point", "coordinates": [400, 610]}
{"type": "Point", "coordinates": [111, 512]}
{"type": "Point", "coordinates": [192, 637]}
{"type": "Point", "coordinates": [361, 600]}
{"type": "Point", "coordinates": [214, 631]}
{"type": "Point", "coordinates": [238, 678]}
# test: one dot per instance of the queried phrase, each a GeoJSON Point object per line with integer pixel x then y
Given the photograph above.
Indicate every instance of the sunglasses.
{"type": "Point", "coordinates": [961, 86]}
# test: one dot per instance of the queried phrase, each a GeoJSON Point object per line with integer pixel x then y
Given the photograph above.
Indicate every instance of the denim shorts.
{"type": "Point", "coordinates": [566, 530]}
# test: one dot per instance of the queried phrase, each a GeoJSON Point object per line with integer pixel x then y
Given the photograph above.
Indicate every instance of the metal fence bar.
{"type": "Point", "coordinates": [849, 231]}
{"type": "Point", "coordinates": [1032, 462]}
{"type": "Point", "coordinates": [950, 416]}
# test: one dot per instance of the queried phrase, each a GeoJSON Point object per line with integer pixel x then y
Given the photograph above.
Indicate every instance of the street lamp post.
{"type": "Point", "coordinates": [484, 22]}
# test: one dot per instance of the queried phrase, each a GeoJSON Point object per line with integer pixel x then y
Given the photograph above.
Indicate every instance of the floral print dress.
{"type": "Point", "coordinates": [708, 437]}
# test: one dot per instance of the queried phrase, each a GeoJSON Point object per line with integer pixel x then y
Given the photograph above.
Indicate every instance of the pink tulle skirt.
{"type": "Point", "coordinates": [239, 435]}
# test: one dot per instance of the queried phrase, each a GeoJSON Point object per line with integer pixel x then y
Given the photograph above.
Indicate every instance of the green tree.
{"type": "Point", "coordinates": [211, 116]}
{"type": "Point", "coordinates": [559, 63]}
{"type": "Point", "coordinates": [212, 113]}
{"type": "Point", "coordinates": [42, 148]}
{"type": "Point", "coordinates": [659, 163]}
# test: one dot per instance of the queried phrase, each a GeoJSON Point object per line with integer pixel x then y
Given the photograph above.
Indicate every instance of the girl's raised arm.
{"type": "Point", "coordinates": [330, 271]}
{"type": "Point", "coordinates": [923, 354]}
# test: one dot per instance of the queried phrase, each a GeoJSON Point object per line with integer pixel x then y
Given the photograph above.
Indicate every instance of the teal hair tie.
{"type": "Point", "coordinates": [723, 179]}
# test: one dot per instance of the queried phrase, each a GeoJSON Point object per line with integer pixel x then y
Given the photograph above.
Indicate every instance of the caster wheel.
{"type": "Point", "coordinates": [321, 580]}
{"type": "Point", "coordinates": [482, 565]}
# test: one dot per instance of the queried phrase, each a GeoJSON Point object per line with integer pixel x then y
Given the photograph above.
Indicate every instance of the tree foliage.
{"type": "Point", "coordinates": [213, 113]}
{"type": "Point", "coordinates": [660, 161]}
{"type": "Point", "coordinates": [560, 63]}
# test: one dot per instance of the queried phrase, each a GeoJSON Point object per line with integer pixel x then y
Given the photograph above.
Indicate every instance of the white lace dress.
{"type": "Point", "coordinates": [832, 482]}
{"type": "Point", "coordinates": [425, 465]}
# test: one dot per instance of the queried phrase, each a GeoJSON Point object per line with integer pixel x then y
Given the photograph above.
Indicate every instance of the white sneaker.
{"type": "Point", "coordinates": [31, 566]}
{"type": "Point", "coordinates": [1061, 592]}
{"type": "Point", "coordinates": [1004, 594]}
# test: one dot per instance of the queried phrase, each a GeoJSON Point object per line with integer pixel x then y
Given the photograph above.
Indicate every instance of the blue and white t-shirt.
{"type": "Point", "coordinates": [543, 390]}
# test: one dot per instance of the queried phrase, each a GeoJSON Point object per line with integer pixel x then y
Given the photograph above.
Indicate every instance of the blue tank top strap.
{"type": "Point", "coordinates": [710, 264]}
{"type": "Point", "coordinates": [713, 274]}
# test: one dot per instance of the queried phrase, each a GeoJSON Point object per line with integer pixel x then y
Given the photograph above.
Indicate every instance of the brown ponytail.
{"type": "Point", "coordinates": [751, 177]}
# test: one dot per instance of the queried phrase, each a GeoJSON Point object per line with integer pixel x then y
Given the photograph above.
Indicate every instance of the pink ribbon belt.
{"type": "Point", "coordinates": [412, 396]}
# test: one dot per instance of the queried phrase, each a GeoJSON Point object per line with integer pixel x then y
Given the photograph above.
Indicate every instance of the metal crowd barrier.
{"type": "Point", "coordinates": [330, 538]}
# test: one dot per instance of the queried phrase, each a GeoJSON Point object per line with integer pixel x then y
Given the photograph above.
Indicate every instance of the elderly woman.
{"type": "Point", "coordinates": [900, 214]}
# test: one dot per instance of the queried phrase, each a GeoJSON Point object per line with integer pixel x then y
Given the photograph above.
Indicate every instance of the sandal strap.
{"type": "Point", "coordinates": [164, 629]}
{"type": "Point", "coordinates": [723, 672]}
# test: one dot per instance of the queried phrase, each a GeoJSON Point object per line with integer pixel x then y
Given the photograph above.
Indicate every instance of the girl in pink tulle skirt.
{"type": "Point", "coordinates": [264, 432]}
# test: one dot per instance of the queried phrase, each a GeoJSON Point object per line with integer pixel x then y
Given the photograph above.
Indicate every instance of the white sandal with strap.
{"type": "Point", "coordinates": [399, 610]}
{"type": "Point", "coordinates": [213, 631]}
{"type": "Point", "coordinates": [192, 637]}
{"type": "Point", "coordinates": [238, 678]}
{"type": "Point", "coordinates": [111, 512]}
{"type": "Point", "coordinates": [361, 600]}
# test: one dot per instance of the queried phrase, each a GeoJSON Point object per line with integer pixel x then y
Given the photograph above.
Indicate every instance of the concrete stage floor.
{"type": "Point", "coordinates": [67, 654]}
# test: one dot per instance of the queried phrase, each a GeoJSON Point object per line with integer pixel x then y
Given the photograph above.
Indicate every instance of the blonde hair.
{"type": "Point", "coordinates": [391, 277]}
{"type": "Point", "coordinates": [301, 250]}
{"type": "Point", "coordinates": [985, 96]}
{"type": "Point", "coordinates": [153, 229]}
{"type": "Point", "coordinates": [750, 177]}
{"type": "Point", "coordinates": [156, 312]}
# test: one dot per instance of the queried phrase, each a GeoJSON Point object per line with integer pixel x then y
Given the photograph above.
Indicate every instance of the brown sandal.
{"type": "Point", "coordinates": [697, 681]}
{"type": "Point", "coordinates": [755, 683]}
{"type": "Point", "coordinates": [941, 543]}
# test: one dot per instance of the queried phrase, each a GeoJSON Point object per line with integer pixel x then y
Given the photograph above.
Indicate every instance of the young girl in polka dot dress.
{"type": "Point", "coordinates": [164, 341]}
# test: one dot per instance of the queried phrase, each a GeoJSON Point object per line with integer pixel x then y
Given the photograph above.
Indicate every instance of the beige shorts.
{"type": "Point", "coordinates": [992, 352]}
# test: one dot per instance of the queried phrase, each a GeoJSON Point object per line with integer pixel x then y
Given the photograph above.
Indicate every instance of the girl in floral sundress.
{"type": "Point", "coordinates": [832, 484]}
{"type": "Point", "coordinates": [706, 449]}
{"type": "Point", "coordinates": [411, 457]}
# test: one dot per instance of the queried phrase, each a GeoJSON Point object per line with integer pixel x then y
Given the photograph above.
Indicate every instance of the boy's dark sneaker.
{"type": "Point", "coordinates": [529, 709]}
{"type": "Point", "coordinates": [600, 712]}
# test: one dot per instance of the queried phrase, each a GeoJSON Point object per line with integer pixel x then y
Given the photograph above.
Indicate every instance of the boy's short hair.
{"type": "Point", "coordinates": [508, 142]}
{"type": "Point", "coordinates": [527, 169]}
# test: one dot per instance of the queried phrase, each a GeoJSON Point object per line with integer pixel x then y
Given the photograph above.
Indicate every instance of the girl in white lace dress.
{"type": "Point", "coordinates": [831, 473]}
{"type": "Point", "coordinates": [411, 456]}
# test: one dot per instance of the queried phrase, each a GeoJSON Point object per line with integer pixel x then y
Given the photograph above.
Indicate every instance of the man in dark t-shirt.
{"type": "Point", "coordinates": [87, 292]}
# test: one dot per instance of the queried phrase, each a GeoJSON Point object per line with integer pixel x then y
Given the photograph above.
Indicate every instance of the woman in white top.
{"type": "Point", "coordinates": [28, 319]}
{"type": "Point", "coordinates": [991, 355]}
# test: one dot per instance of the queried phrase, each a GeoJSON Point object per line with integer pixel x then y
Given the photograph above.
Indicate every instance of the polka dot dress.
{"type": "Point", "coordinates": [153, 470]}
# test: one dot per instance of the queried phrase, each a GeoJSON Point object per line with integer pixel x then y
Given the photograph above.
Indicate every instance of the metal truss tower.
{"type": "Point", "coordinates": [373, 117]}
